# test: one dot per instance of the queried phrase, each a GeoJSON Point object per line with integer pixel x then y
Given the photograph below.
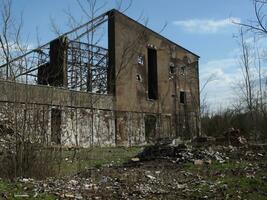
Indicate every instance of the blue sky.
{"type": "Point", "coordinates": [202, 26]}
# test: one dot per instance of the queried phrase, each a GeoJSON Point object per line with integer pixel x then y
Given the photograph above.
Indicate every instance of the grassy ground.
{"type": "Point", "coordinates": [86, 158]}
{"type": "Point", "coordinates": [16, 191]}
{"type": "Point", "coordinates": [233, 180]}
{"type": "Point", "coordinates": [239, 177]}
{"type": "Point", "coordinates": [70, 162]}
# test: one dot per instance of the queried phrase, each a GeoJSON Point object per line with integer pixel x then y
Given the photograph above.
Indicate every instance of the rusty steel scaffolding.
{"type": "Point", "coordinates": [86, 62]}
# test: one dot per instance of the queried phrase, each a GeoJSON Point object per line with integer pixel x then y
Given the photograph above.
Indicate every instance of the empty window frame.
{"type": "Point", "coordinates": [172, 69]}
{"type": "Point", "coordinates": [152, 74]}
{"type": "Point", "coordinates": [139, 78]}
{"type": "Point", "coordinates": [183, 70]}
{"type": "Point", "coordinates": [141, 60]}
{"type": "Point", "coordinates": [56, 126]}
{"type": "Point", "coordinates": [182, 97]}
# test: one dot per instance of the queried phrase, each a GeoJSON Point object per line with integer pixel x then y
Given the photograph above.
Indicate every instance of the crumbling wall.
{"type": "Point", "coordinates": [87, 128]}
{"type": "Point", "coordinates": [26, 122]}
{"type": "Point", "coordinates": [132, 42]}
{"type": "Point", "coordinates": [58, 116]}
{"type": "Point", "coordinates": [34, 123]}
{"type": "Point", "coordinates": [130, 129]}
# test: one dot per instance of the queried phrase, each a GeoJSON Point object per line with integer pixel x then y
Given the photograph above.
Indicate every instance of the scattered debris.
{"type": "Point", "coordinates": [232, 137]}
{"type": "Point", "coordinates": [162, 171]}
{"type": "Point", "coordinates": [151, 177]}
{"type": "Point", "coordinates": [180, 154]}
{"type": "Point", "coordinates": [135, 159]}
{"type": "Point", "coordinates": [198, 162]}
{"type": "Point", "coordinates": [203, 140]}
{"type": "Point", "coordinates": [208, 162]}
{"type": "Point", "coordinates": [21, 196]}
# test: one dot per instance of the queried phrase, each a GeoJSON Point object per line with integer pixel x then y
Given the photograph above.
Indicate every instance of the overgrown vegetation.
{"type": "Point", "coordinates": [73, 162]}
{"type": "Point", "coordinates": [40, 162]}
{"type": "Point", "coordinates": [9, 190]}
{"type": "Point", "coordinates": [248, 111]}
{"type": "Point", "coordinates": [217, 124]}
{"type": "Point", "coordinates": [242, 175]}
{"type": "Point", "coordinates": [233, 180]}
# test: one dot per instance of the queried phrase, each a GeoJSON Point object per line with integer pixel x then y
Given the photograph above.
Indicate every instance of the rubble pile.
{"type": "Point", "coordinates": [233, 137]}
{"type": "Point", "coordinates": [180, 154]}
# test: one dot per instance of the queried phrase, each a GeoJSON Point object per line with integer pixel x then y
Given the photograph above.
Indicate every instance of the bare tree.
{"type": "Point", "coordinates": [258, 25]}
{"type": "Point", "coordinates": [203, 94]}
{"type": "Point", "coordinates": [248, 85]}
{"type": "Point", "coordinates": [5, 41]}
{"type": "Point", "coordinates": [19, 125]}
{"type": "Point", "coordinates": [260, 96]}
{"type": "Point", "coordinates": [251, 89]}
{"type": "Point", "coordinates": [11, 41]}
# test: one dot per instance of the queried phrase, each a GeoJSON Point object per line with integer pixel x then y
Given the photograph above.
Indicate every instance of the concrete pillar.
{"type": "Point", "coordinates": [54, 73]}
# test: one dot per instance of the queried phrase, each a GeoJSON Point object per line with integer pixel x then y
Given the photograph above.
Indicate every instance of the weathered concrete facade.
{"type": "Point", "coordinates": [177, 71]}
{"type": "Point", "coordinates": [153, 92]}
{"type": "Point", "coordinates": [85, 119]}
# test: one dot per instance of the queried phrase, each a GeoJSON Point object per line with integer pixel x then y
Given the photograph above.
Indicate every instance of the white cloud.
{"type": "Point", "coordinates": [224, 73]}
{"type": "Point", "coordinates": [206, 25]}
{"type": "Point", "coordinates": [218, 68]}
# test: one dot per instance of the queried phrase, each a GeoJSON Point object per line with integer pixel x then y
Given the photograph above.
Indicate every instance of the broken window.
{"type": "Point", "coordinates": [183, 70]}
{"type": "Point", "coordinates": [139, 78]}
{"type": "Point", "coordinates": [141, 60]}
{"type": "Point", "coordinates": [56, 126]}
{"type": "Point", "coordinates": [152, 74]}
{"type": "Point", "coordinates": [172, 68]}
{"type": "Point", "coordinates": [182, 97]}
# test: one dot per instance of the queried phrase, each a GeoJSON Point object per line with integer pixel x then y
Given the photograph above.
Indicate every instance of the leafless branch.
{"type": "Point", "coordinates": [260, 24]}
{"type": "Point", "coordinates": [163, 27]}
{"type": "Point", "coordinates": [54, 27]}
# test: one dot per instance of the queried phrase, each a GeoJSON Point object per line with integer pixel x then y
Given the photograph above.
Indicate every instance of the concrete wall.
{"type": "Point", "coordinates": [26, 109]}
{"type": "Point", "coordinates": [87, 128]}
{"type": "Point", "coordinates": [131, 41]}
{"type": "Point", "coordinates": [46, 95]}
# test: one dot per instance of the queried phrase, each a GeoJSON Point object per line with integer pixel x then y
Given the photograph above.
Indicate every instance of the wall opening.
{"type": "Point", "coordinates": [139, 78]}
{"type": "Point", "coordinates": [150, 127]}
{"type": "Point", "coordinates": [182, 97]}
{"type": "Point", "coordinates": [172, 68]}
{"type": "Point", "coordinates": [183, 70]}
{"type": "Point", "coordinates": [56, 126]}
{"type": "Point", "coordinates": [141, 60]}
{"type": "Point", "coordinates": [152, 74]}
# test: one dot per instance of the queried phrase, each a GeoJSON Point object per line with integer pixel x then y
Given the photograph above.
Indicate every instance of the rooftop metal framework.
{"type": "Point", "coordinates": [86, 61]}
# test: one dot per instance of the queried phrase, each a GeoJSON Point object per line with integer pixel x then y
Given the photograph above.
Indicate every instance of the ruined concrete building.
{"type": "Point", "coordinates": [71, 91]}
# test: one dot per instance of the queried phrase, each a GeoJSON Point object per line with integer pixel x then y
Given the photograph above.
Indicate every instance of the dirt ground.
{"type": "Point", "coordinates": [223, 173]}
